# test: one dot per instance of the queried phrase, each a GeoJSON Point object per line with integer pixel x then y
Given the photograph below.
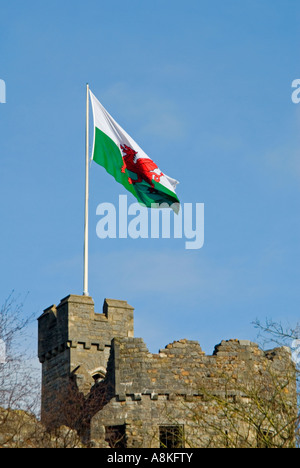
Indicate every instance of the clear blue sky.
{"type": "Point", "coordinates": [204, 87]}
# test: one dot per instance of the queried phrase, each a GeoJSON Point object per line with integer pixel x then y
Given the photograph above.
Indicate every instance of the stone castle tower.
{"type": "Point", "coordinates": [100, 380]}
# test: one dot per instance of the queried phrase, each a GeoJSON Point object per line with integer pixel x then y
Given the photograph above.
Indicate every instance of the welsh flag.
{"type": "Point", "coordinates": [122, 157]}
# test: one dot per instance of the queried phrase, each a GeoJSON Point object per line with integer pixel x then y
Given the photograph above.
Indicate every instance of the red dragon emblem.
{"type": "Point", "coordinates": [144, 168]}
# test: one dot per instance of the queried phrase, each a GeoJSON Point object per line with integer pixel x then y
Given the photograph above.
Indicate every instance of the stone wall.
{"type": "Point", "coordinates": [182, 386]}
{"type": "Point", "coordinates": [212, 398]}
{"type": "Point", "coordinates": [74, 340]}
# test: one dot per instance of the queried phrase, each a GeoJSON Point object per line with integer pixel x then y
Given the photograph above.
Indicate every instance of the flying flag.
{"type": "Point", "coordinates": [122, 158]}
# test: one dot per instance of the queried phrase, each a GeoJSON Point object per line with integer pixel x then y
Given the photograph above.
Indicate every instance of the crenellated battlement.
{"type": "Point", "coordinates": [74, 324]}
{"type": "Point", "coordinates": [73, 338]}
{"type": "Point", "coordinates": [118, 385]}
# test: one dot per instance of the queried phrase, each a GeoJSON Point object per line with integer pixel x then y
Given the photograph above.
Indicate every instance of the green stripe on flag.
{"type": "Point", "coordinates": [108, 154]}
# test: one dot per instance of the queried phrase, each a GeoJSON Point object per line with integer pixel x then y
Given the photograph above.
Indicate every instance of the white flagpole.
{"type": "Point", "coordinates": [86, 215]}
